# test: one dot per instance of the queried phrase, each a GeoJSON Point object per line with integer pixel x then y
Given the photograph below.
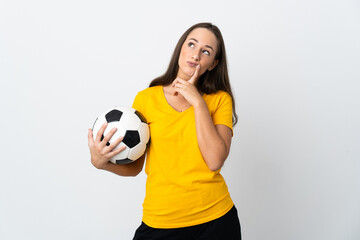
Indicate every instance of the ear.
{"type": "Point", "coordinates": [216, 61]}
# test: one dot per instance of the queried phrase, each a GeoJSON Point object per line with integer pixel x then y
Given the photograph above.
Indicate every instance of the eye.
{"type": "Point", "coordinates": [190, 44]}
{"type": "Point", "coordinates": [206, 52]}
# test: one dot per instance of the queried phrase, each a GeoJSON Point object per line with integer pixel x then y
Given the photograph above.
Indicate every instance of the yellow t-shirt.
{"type": "Point", "coordinates": [181, 190]}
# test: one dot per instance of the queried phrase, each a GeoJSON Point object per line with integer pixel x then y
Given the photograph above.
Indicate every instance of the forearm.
{"type": "Point", "coordinates": [212, 146]}
{"type": "Point", "coordinates": [126, 170]}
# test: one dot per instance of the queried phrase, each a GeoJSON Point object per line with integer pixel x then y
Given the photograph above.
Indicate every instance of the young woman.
{"type": "Point", "coordinates": [191, 112]}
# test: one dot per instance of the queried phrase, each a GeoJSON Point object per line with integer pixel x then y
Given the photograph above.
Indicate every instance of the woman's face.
{"type": "Point", "coordinates": [199, 48]}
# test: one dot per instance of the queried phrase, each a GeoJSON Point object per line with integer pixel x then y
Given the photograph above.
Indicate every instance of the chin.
{"type": "Point", "coordinates": [190, 71]}
{"type": "Point", "coordinates": [185, 73]}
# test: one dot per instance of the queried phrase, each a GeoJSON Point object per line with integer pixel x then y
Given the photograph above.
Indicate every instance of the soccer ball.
{"type": "Point", "coordinates": [130, 124]}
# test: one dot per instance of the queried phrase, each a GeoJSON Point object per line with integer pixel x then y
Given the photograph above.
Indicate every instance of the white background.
{"type": "Point", "coordinates": [293, 171]}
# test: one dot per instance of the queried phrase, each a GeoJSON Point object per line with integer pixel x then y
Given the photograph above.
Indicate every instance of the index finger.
{"type": "Point", "coordinates": [195, 76]}
{"type": "Point", "coordinates": [100, 133]}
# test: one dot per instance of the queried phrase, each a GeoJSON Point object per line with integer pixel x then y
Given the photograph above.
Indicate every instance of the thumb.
{"type": "Point", "coordinates": [90, 137]}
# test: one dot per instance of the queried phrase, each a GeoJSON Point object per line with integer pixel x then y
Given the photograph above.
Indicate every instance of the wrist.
{"type": "Point", "coordinates": [199, 104]}
{"type": "Point", "coordinates": [99, 165]}
{"type": "Point", "coordinates": [107, 166]}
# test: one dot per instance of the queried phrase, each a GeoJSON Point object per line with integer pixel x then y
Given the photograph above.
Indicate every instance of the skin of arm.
{"type": "Point", "coordinates": [126, 170]}
{"type": "Point", "coordinates": [214, 140]}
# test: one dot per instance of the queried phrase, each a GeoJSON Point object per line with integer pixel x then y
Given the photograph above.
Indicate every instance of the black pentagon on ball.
{"type": "Point", "coordinates": [113, 116]}
{"type": "Point", "coordinates": [124, 161]}
{"type": "Point", "coordinates": [142, 118]}
{"type": "Point", "coordinates": [131, 138]}
{"type": "Point", "coordinates": [102, 137]}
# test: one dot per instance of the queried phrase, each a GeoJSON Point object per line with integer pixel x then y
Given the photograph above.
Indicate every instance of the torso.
{"type": "Point", "coordinates": [181, 190]}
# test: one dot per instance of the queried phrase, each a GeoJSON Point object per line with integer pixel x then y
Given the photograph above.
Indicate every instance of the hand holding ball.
{"type": "Point", "coordinates": [130, 125]}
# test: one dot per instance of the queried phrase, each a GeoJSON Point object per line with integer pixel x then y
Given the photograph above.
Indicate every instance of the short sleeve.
{"type": "Point", "coordinates": [137, 104]}
{"type": "Point", "coordinates": [224, 113]}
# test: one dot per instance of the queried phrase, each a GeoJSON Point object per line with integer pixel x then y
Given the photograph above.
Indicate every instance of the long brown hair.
{"type": "Point", "coordinates": [210, 81]}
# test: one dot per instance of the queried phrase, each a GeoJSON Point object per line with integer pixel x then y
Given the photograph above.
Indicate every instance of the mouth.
{"type": "Point", "coordinates": [191, 64]}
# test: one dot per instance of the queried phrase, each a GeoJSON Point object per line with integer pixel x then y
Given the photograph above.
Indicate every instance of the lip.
{"type": "Point", "coordinates": [191, 64]}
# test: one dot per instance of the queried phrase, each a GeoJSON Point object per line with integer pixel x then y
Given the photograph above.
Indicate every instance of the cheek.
{"type": "Point", "coordinates": [202, 71]}
{"type": "Point", "coordinates": [183, 51]}
{"type": "Point", "coordinates": [182, 55]}
{"type": "Point", "coordinates": [206, 65]}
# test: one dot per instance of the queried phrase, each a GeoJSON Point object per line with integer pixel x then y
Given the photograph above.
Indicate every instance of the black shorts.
{"type": "Point", "coordinates": [226, 227]}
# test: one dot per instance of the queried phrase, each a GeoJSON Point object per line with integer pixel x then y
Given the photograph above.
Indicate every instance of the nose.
{"type": "Point", "coordinates": [196, 56]}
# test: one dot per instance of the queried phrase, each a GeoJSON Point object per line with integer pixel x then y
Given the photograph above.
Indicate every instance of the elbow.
{"type": "Point", "coordinates": [130, 174]}
{"type": "Point", "coordinates": [215, 168]}
{"type": "Point", "coordinates": [135, 170]}
{"type": "Point", "coordinates": [215, 159]}
{"type": "Point", "coordinates": [215, 164]}
{"type": "Point", "coordinates": [134, 174]}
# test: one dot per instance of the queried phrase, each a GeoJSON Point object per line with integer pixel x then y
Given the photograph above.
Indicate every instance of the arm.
{"type": "Point", "coordinates": [126, 170]}
{"type": "Point", "coordinates": [214, 140]}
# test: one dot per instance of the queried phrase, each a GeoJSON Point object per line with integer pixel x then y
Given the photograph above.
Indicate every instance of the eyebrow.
{"type": "Point", "coordinates": [198, 42]}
